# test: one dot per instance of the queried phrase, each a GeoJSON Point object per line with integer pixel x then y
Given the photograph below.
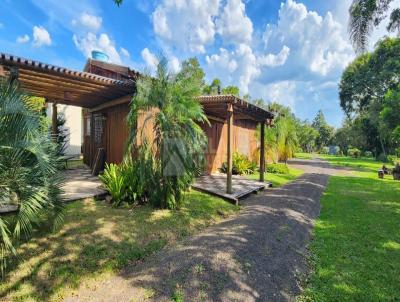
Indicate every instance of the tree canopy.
{"type": "Point", "coordinates": [368, 93]}
{"type": "Point", "coordinates": [367, 14]}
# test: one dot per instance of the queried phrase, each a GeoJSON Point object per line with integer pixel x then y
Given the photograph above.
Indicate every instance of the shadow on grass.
{"type": "Point", "coordinates": [257, 256]}
{"type": "Point", "coordinates": [97, 239]}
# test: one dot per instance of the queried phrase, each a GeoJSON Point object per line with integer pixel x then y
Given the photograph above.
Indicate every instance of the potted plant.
{"type": "Point", "coordinates": [396, 172]}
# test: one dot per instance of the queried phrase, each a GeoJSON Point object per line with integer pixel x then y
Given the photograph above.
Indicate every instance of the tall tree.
{"type": "Point", "coordinates": [363, 89]}
{"type": "Point", "coordinates": [325, 132]}
{"type": "Point", "coordinates": [367, 14]}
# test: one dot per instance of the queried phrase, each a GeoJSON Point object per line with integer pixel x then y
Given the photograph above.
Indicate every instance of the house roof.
{"type": "Point", "coordinates": [216, 105]}
{"type": "Point", "coordinates": [63, 85]}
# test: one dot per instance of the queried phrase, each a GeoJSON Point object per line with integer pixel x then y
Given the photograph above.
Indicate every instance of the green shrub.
{"type": "Point", "coordinates": [277, 169]}
{"type": "Point", "coordinates": [393, 159]}
{"type": "Point", "coordinates": [114, 182]}
{"type": "Point", "coordinates": [354, 152]}
{"type": "Point", "coordinates": [368, 154]}
{"type": "Point", "coordinates": [240, 165]}
{"type": "Point", "coordinates": [324, 150]}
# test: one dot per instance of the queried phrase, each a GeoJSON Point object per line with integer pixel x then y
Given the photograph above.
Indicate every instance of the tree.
{"type": "Point", "coordinates": [325, 132]}
{"type": "Point", "coordinates": [307, 136]}
{"type": "Point", "coordinates": [175, 150]}
{"type": "Point", "coordinates": [231, 90]}
{"type": "Point", "coordinates": [29, 177]}
{"type": "Point", "coordinates": [281, 140]}
{"type": "Point", "coordinates": [191, 68]}
{"type": "Point", "coordinates": [363, 89]}
{"type": "Point", "coordinates": [213, 87]}
{"type": "Point", "coordinates": [367, 14]}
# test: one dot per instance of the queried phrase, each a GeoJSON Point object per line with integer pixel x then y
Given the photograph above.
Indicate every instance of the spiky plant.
{"type": "Point", "coordinates": [176, 142]}
{"type": "Point", "coordinates": [367, 14]}
{"type": "Point", "coordinates": [29, 181]}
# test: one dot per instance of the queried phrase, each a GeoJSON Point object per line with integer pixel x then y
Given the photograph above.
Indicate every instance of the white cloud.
{"type": "Point", "coordinates": [272, 60]}
{"type": "Point", "coordinates": [93, 42]}
{"type": "Point", "coordinates": [124, 52]}
{"type": "Point", "coordinates": [23, 39]}
{"type": "Point", "coordinates": [238, 67]}
{"type": "Point", "coordinates": [89, 22]}
{"type": "Point", "coordinates": [317, 43]}
{"type": "Point", "coordinates": [174, 64]}
{"type": "Point", "coordinates": [41, 37]}
{"type": "Point", "coordinates": [1, 25]}
{"type": "Point", "coordinates": [233, 25]}
{"type": "Point", "coordinates": [187, 25]}
{"type": "Point", "coordinates": [150, 59]}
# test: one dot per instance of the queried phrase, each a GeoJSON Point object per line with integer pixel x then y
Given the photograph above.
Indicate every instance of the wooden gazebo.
{"type": "Point", "coordinates": [228, 108]}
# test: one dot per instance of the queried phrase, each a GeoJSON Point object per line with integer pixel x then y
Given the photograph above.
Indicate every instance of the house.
{"type": "Point", "coordinates": [105, 90]}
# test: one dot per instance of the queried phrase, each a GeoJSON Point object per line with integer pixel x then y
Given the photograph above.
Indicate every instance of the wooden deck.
{"type": "Point", "coordinates": [216, 185]}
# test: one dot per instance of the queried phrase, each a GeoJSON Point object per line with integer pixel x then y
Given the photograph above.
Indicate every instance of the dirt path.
{"type": "Point", "coordinates": [258, 255]}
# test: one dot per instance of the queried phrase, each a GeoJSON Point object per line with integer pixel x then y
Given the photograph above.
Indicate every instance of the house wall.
{"type": "Point", "coordinates": [115, 135]}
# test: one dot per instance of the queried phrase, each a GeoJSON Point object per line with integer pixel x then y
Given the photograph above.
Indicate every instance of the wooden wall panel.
{"type": "Point", "coordinates": [117, 132]}
{"type": "Point", "coordinates": [244, 141]}
{"type": "Point", "coordinates": [244, 138]}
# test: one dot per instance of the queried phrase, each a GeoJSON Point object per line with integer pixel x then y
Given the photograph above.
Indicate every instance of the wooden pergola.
{"type": "Point", "coordinates": [226, 108]}
{"type": "Point", "coordinates": [59, 85]}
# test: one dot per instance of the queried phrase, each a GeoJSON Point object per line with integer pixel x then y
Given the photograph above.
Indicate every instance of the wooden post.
{"type": "Point", "coordinates": [54, 130]}
{"type": "Point", "coordinates": [229, 120]}
{"type": "Point", "coordinates": [262, 151]}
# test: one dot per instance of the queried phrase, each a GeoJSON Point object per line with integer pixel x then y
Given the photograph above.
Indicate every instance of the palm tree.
{"type": "Point", "coordinates": [175, 147]}
{"type": "Point", "coordinates": [367, 14]}
{"type": "Point", "coordinates": [29, 181]}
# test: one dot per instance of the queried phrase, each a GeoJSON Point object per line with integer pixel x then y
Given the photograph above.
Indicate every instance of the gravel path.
{"type": "Point", "coordinates": [258, 255]}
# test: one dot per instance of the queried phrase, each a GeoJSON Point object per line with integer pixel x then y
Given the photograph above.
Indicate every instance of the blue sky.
{"type": "Point", "coordinates": [291, 52]}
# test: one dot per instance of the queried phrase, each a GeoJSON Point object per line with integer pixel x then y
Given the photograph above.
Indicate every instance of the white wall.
{"type": "Point", "coordinates": [73, 125]}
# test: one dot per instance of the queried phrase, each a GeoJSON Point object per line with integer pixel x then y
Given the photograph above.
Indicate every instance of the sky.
{"type": "Point", "coordinates": [287, 51]}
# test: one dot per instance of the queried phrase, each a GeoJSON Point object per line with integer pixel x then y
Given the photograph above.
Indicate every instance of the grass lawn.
{"type": "Point", "coordinates": [356, 248]}
{"type": "Point", "coordinates": [301, 155]}
{"type": "Point", "coordinates": [97, 240]}
{"type": "Point", "coordinates": [278, 180]}
{"type": "Point", "coordinates": [365, 164]}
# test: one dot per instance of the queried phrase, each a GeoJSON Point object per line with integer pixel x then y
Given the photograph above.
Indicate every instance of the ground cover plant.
{"type": "Point", "coordinates": [241, 165]}
{"type": "Point", "coordinates": [97, 240]}
{"type": "Point", "coordinates": [356, 249]}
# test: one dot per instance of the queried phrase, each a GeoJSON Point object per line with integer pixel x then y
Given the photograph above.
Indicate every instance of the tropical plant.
{"type": "Point", "coordinates": [367, 14]}
{"type": "Point", "coordinates": [29, 179]}
{"type": "Point", "coordinates": [277, 169]}
{"type": "Point", "coordinates": [114, 182]}
{"type": "Point", "coordinates": [241, 165]}
{"type": "Point", "coordinates": [175, 150]}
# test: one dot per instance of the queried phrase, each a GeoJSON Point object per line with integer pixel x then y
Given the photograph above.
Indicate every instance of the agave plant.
{"type": "Point", "coordinates": [29, 178]}
{"type": "Point", "coordinates": [176, 148]}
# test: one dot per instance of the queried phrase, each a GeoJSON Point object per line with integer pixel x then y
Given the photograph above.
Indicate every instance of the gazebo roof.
{"type": "Point", "coordinates": [63, 85]}
{"type": "Point", "coordinates": [216, 105]}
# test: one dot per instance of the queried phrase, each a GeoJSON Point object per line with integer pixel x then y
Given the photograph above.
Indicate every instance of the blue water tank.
{"type": "Point", "coordinates": [100, 56]}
